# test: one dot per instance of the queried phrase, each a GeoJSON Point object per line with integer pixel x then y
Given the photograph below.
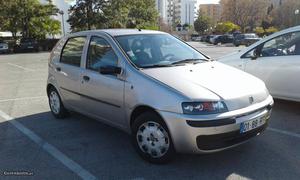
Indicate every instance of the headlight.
{"type": "Point", "coordinates": [203, 108]}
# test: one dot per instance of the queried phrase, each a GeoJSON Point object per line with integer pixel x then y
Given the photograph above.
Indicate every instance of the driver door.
{"type": "Point", "coordinates": [277, 63]}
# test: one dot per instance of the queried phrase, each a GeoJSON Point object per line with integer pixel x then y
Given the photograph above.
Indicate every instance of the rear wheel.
{"type": "Point", "coordinates": [151, 138]}
{"type": "Point", "coordinates": [56, 106]}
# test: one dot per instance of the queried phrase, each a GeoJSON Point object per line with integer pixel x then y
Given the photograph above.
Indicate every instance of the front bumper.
{"type": "Point", "coordinates": [4, 50]}
{"type": "Point", "coordinates": [211, 133]}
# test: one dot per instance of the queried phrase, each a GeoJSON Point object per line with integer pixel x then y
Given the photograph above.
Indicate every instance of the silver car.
{"type": "Point", "coordinates": [167, 95]}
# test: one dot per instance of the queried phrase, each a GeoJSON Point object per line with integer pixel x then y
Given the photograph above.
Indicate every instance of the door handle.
{"type": "Point", "coordinates": [58, 69]}
{"type": "Point", "coordinates": [86, 78]}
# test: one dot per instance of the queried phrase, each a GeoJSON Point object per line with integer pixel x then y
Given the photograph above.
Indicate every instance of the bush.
{"type": "Point", "coordinates": [271, 30]}
{"type": "Point", "coordinates": [262, 32]}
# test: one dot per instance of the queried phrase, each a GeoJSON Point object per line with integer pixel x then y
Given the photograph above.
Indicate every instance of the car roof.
{"type": "Point", "coordinates": [119, 32]}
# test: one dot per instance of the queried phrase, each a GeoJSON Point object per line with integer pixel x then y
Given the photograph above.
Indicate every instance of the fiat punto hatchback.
{"type": "Point", "coordinates": [167, 95]}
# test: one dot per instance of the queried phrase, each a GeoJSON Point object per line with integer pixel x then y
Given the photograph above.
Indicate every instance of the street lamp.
{"type": "Point", "coordinates": [297, 11]}
{"type": "Point", "coordinates": [61, 12]}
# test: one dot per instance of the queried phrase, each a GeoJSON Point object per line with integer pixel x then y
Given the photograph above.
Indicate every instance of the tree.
{"type": "Point", "coordinates": [87, 15]}
{"type": "Point", "coordinates": [245, 13]}
{"type": "Point", "coordinates": [132, 14]}
{"type": "Point", "coordinates": [226, 27]}
{"type": "Point", "coordinates": [284, 14]}
{"type": "Point", "coordinates": [40, 27]}
{"type": "Point", "coordinates": [26, 17]}
{"type": "Point", "coordinates": [10, 16]}
{"type": "Point", "coordinates": [202, 23]}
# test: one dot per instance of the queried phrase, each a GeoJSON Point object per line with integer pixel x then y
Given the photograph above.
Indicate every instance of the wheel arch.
{"type": "Point", "coordinates": [138, 110]}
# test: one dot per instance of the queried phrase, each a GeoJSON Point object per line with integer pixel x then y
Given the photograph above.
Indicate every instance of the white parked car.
{"type": "Point", "coordinates": [274, 59]}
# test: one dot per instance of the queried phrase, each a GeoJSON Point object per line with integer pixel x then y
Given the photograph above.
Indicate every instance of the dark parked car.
{"type": "Point", "coordinates": [208, 38]}
{"type": "Point", "coordinates": [223, 39]}
{"type": "Point", "coordinates": [27, 44]}
{"type": "Point", "coordinates": [4, 48]}
{"type": "Point", "coordinates": [245, 39]}
{"type": "Point", "coordinates": [203, 38]}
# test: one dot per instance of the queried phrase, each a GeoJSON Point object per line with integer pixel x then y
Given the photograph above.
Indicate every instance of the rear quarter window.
{"type": "Point", "coordinates": [72, 51]}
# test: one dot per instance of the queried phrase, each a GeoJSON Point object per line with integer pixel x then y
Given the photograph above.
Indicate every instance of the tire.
{"type": "Point", "coordinates": [56, 106]}
{"type": "Point", "coordinates": [158, 146]}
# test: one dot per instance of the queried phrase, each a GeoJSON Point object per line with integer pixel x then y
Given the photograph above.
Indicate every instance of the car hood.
{"type": "Point", "coordinates": [212, 81]}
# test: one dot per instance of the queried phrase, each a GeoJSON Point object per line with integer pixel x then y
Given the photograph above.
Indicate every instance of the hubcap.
{"type": "Point", "coordinates": [153, 139]}
{"type": "Point", "coordinates": [54, 102]}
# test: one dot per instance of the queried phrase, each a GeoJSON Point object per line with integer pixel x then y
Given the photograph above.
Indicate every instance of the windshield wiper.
{"type": "Point", "coordinates": [189, 61]}
{"type": "Point", "coordinates": [157, 65]}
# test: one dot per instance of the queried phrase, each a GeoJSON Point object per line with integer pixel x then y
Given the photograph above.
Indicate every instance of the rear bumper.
{"type": "Point", "coordinates": [204, 134]}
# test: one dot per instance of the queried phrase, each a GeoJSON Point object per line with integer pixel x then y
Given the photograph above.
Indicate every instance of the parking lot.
{"type": "Point", "coordinates": [34, 143]}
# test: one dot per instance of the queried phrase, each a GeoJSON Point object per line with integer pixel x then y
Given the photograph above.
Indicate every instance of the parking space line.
{"type": "Point", "coordinates": [54, 152]}
{"type": "Point", "coordinates": [21, 67]}
{"type": "Point", "coordinates": [284, 132]}
{"type": "Point", "coordinates": [23, 98]}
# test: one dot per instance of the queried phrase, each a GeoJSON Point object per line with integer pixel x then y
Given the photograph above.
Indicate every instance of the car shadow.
{"type": "Point", "coordinates": [107, 153]}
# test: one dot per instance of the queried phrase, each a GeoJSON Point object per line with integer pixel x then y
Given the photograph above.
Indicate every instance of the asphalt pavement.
{"type": "Point", "coordinates": [35, 145]}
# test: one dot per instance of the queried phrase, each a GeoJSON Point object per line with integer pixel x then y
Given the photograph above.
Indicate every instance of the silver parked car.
{"type": "Point", "coordinates": [169, 96]}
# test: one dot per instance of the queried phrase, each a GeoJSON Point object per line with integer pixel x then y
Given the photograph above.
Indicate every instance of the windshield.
{"type": "Point", "coordinates": [150, 50]}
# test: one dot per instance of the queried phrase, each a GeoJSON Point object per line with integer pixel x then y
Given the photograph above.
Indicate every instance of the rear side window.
{"type": "Point", "coordinates": [72, 51]}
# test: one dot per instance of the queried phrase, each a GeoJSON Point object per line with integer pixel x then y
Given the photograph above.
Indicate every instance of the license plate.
{"type": "Point", "coordinates": [252, 124]}
{"type": "Point", "coordinates": [30, 47]}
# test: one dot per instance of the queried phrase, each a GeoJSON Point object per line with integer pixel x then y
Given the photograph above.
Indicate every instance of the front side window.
{"type": "Point", "coordinates": [72, 51]}
{"type": "Point", "coordinates": [284, 45]}
{"type": "Point", "coordinates": [100, 54]}
{"type": "Point", "coordinates": [148, 50]}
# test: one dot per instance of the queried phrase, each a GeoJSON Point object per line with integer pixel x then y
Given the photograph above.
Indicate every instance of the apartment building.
{"type": "Point", "coordinates": [213, 11]}
{"type": "Point", "coordinates": [177, 11]}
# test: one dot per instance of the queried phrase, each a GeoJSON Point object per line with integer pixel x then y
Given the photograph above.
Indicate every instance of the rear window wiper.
{"type": "Point", "coordinates": [189, 61]}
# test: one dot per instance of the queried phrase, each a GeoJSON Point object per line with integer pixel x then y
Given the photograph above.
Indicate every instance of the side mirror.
{"type": "Point", "coordinates": [112, 70]}
{"type": "Point", "coordinates": [255, 55]}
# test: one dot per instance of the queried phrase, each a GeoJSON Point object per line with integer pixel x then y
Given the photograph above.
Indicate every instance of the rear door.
{"type": "Point", "coordinates": [102, 94]}
{"type": "Point", "coordinates": [68, 70]}
{"type": "Point", "coordinates": [278, 65]}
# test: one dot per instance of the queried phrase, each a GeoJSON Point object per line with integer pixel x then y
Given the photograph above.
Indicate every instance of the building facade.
{"type": "Point", "coordinates": [187, 14]}
{"type": "Point", "coordinates": [176, 12]}
{"type": "Point", "coordinates": [213, 11]}
{"type": "Point", "coordinates": [161, 6]}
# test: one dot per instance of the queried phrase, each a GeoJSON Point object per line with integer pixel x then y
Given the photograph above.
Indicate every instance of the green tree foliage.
{"type": "Point", "coordinates": [201, 24]}
{"type": "Point", "coordinates": [226, 27]}
{"type": "Point", "coordinates": [94, 14]}
{"type": "Point", "coordinates": [87, 15]}
{"type": "Point", "coordinates": [29, 17]}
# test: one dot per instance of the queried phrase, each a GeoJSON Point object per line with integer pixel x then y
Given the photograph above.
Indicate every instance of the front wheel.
{"type": "Point", "coordinates": [56, 105]}
{"type": "Point", "coordinates": [151, 138]}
